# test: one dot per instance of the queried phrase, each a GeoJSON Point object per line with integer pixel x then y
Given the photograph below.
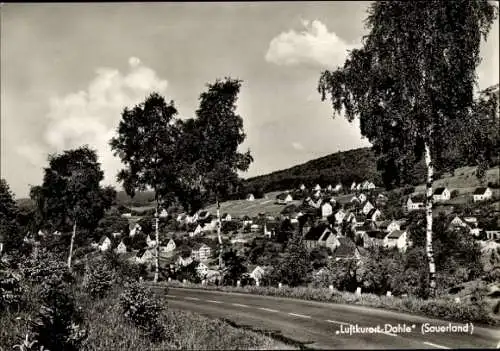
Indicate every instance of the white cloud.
{"type": "Point", "coordinates": [297, 146]}
{"type": "Point", "coordinates": [91, 116]}
{"type": "Point", "coordinates": [315, 46]}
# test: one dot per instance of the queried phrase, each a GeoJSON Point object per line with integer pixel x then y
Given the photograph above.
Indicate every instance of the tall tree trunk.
{"type": "Point", "coordinates": [428, 212]}
{"type": "Point", "coordinates": [218, 233]}
{"type": "Point", "coordinates": [71, 245]}
{"type": "Point", "coordinates": [157, 245]}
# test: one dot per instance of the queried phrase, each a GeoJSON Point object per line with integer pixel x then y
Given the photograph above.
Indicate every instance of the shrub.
{"type": "Point", "coordinates": [99, 278]}
{"type": "Point", "coordinates": [45, 266]}
{"type": "Point", "coordinates": [143, 309]}
{"type": "Point", "coordinates": [11, 292]}
{"type": "Point", "coordinates": [57, 324]}
{"type": "Point", "coordinates": [454, 193]}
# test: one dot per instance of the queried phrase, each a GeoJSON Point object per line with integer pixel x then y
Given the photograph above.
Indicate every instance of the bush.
{"type": "Point", "coordinates": [11, 292]}
{"type": "Point", "coordinates": [454, 194]}
{"type": "Point", "coordinates": [98, 280]}
{"type": "Point", "coordinates": [143, 309]}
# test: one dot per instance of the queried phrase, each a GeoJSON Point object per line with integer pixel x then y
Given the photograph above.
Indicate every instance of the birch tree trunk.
{"type": "Point", "coordinates": [219, 234]}
{"type": "Point", "coordinates": [71, 245]}
{"type": "Point", "coordinates": [157, 238]}
{"type": "Point", "coordinates": [428, 213]}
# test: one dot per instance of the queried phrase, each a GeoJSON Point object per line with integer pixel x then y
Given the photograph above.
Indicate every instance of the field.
{"type": "Point", "coordinates": [464, 180]}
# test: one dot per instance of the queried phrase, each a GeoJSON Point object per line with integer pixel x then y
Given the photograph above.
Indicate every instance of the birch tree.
{"type": "Point", "coordinates": [147, 143]}
{"type": "Point", "coordinates": [411, 84]}
{"type": "Point", "coordinates": [71, 195]}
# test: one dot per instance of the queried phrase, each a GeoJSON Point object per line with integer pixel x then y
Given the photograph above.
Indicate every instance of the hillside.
{"type": "Point", "coordinates": [345, 167]}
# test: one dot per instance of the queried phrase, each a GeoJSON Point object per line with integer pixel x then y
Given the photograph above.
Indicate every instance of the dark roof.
{"type": "Point", "coordinates": [315, 232]}
{"type": "Point", "coordinates": [439, 190]}
{"type": "Point", "coordinates": [479, 191]}
{"type": "Point", "coordinates": [225, 214]}
{"type": "Point", "coordinates": [395, 234]}
{"type": "Point", "coordinates": [282, 196]}
{"type": "Point", "coordinates": [102, 239]}
{"type": "Point", "coordinates": [364, 228]}
{"type": "Point", "coordinates": [417, 197]}
{"type": "Point", "coordinates": [246, 218]}
{"type": "Point", "coordinates": [140, 252]}
{"type": "Point", "coordinates": [376, 234]}
{"type": "Point", "coordinates": [372, 211]}
{"type": "Point", "coordinates": [327, 234]}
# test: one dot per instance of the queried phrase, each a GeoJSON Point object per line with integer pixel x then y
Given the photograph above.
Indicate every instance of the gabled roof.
{"type": "Point", "coordinates": [395, 234]}
{"type": "Point", "coordinates": [376, 234]}
{"type": "Point", "coordinates": [439, 190]}
{"type": "Point", "coordinates": [480, 191]}
{"type": "Point", "coordinates": [102, 239]}
{"type": "Point", "coordinates": [141, 252]}
{"type": "Point", "coordinates": [417, 197]}
{"type": "Point", "coordinates": [315, 232]}
{"type": "Point", "coordinates": [372, 212]}
{"type": "Point", "coordinates": [282, 196]}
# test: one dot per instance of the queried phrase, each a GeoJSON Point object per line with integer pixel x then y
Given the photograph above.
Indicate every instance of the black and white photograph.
{"type": "Point", "coordinates": [280, 175]}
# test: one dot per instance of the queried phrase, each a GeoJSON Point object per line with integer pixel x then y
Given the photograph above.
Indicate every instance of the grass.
{"type": "Point", "coordinates": [444, 308]}
{"type": "Point", "coordinates": [108, 329]}
{"type": "Point", "coordinates": [464, 179]}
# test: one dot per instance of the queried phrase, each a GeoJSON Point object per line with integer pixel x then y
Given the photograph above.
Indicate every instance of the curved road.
{"type": "Point", "coordinates": [326, 325]}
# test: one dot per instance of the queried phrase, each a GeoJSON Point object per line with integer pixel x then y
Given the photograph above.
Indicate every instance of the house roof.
{"type": "Point", "coordinates": [102, 239]}
{"type": "Point", "coordinates": [376, 234]}
{"type": "Point", "coordinates": [480, 191]}
{"type": "Point", "coordinates": [315, 232]}
{"type": "Point", "coordinates": [439, 190]}
{"type": "Point", "coordinates": [141, 252]}
{"type": "Point", "coordinates": [395, 234]}
{"type": "Point", "coordinates": [417, 197]}
{"type": "Point", "coordinates": [282, 196]}
{"type": "Point", "coordinates": [364, 228]}
{"type": "Point", "coordinates": [372, 212]}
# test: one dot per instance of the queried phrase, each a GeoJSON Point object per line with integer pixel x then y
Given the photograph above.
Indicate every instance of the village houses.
{"type": "Point", "coordinates": [367, 208]}
{"type": "Point", "coordinates": [415, 202]}
{"type": "Point", "coordinates": [121, 248]}
{"type": "Point", "coordinates": [326, 210]}
{"type": "Point", "coordinates": [321, 235]}
{"type": "Point", "coordinates": [144, 256]}
{"type": "Point", "coordinates": [284, 198]}
{"type": "Point", "coordinates": [398, 239]}
{"type": "Point", "coordinates": [250, 197]}
{"type": "Point", "coordinates": [201, 253]}
{"type": "Point", "coordinates": [104, 243]}
{"type": "Point", "coordinates": [481, 194]}
{"type": "Point", "coordinates": [441, 194]}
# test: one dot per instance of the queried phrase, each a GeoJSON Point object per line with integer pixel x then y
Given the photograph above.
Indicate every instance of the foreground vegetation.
{"type": "Point", "coordinates": [101, 306]}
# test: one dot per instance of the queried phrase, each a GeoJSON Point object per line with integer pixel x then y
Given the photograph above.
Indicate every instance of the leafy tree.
{"type": "Point", "coordinates": [71, 193]}
{"type": "Point", "coordinates": [233, 267]}
{"type": "Point", "coordinates": [210, 158]}
{"type": "Point", "coordinates": [112, 223]}
{"type": "Point", "coordinates": [319, 257]}
{"type": "Point", "coordinates": [295, 264]}
{"type": "Point", "coordinates": [9, 231]}
{"type": "Point", "coordinates": [147, 144]}
{"type": "Point", "coordinates": [411, 84]}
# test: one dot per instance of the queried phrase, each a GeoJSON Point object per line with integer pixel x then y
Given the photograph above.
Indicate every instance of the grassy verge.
{"type": "Point", "coordinates": [442, 308]}
{"type": "Point", "coordinates": [108, 329]}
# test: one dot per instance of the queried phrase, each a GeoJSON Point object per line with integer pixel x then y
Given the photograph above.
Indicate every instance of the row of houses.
{"type": "Point", "coordinates": [441, 194]}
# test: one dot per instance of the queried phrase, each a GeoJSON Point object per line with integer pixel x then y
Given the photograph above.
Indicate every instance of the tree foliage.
{"type": "Point", "coordinates": [412, 81]}
{"type": "Point", "coordinates": [9, 231]}
{"type": "Point", "coordinates": [71, 191]}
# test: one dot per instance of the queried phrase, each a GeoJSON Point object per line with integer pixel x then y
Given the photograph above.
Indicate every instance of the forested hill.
{"type": "Point", "coordinates": [345, 167]}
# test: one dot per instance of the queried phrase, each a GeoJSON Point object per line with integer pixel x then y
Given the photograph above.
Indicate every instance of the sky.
{"type": "Point", "coordinates": [68, 70]}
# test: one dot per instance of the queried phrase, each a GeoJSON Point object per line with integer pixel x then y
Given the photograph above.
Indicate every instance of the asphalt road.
{"type": "Point", "coordinates": [321, 325]}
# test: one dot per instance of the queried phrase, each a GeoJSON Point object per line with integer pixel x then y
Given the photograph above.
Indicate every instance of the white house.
{"type": "Point", "coordinates": [181, 261]}
{"type": "Point", "coordinates": [202, 269]}
{"type": "Point", "coordinates": [441, 194]}
{"type": "Point", "coordinates": [396, 238]}
{"type": "Point", "coordinates": [317, 188]}
{"type": "Point", "coordinates": [170, 246]}
{"type": "Point", "coordinates": [326, 210]}
{"type": "Point", "coordinates": [414, 203]}
{"type": "Point", "coordinates": [302, 187]}
{"type": "Point", "coordinates": [163, 213]}
{"type": "Point", "coordinates": [367, 207]}
{"type": "Point", "coordinates": [121, 248]}
{"type": "Point", "coordinates": [329, 188]}
{"type": "Point", "coordinates": [353, 186]}
{"type": "Point", "coordinates": [226, 217]}
{"type": "Point", "coordinates": [362, 198]}
{"type": "Point", "coordinates": [250, 197]}
{"type": "Point", "coordinates": [339, 216]}
{"type": "Point", "coordinates": [254, 227]}
{"type": "Point", "coordinates": [284, 198]}
{"type": "Point", "coordinates": [359, 186]}
{"type": "Point", "coordinates": [104, 243]}
{"type": "Point", "coordinates": [257, 273]}
{"type": "Point", "coordinates": [127, 215]}
{"type": "Point", "coordinates": [198, 230]}
{"type": "Point", "coordinates": [150, 242]}
{"type": "Point", "coordinates": [337, 188]}
{"type": "Point", "coordinates": [493, 234]}
{"type": "Point", "coordinates": [374, 214]}
{"type": "Point", "coordinates": [202, 253]}
{"type": "Point", "coordinates": [144, 256]}
{"type": "Point", "coordinates": [317, 194]}
{"type": "Point", "coordinates": [458, 222]}
{"type": "Point", "coordinates": [135, 229]}
{"type": "Point", "coordinates": [393, 225]}
{"type": "Point", "coordinates": [481, 194]}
